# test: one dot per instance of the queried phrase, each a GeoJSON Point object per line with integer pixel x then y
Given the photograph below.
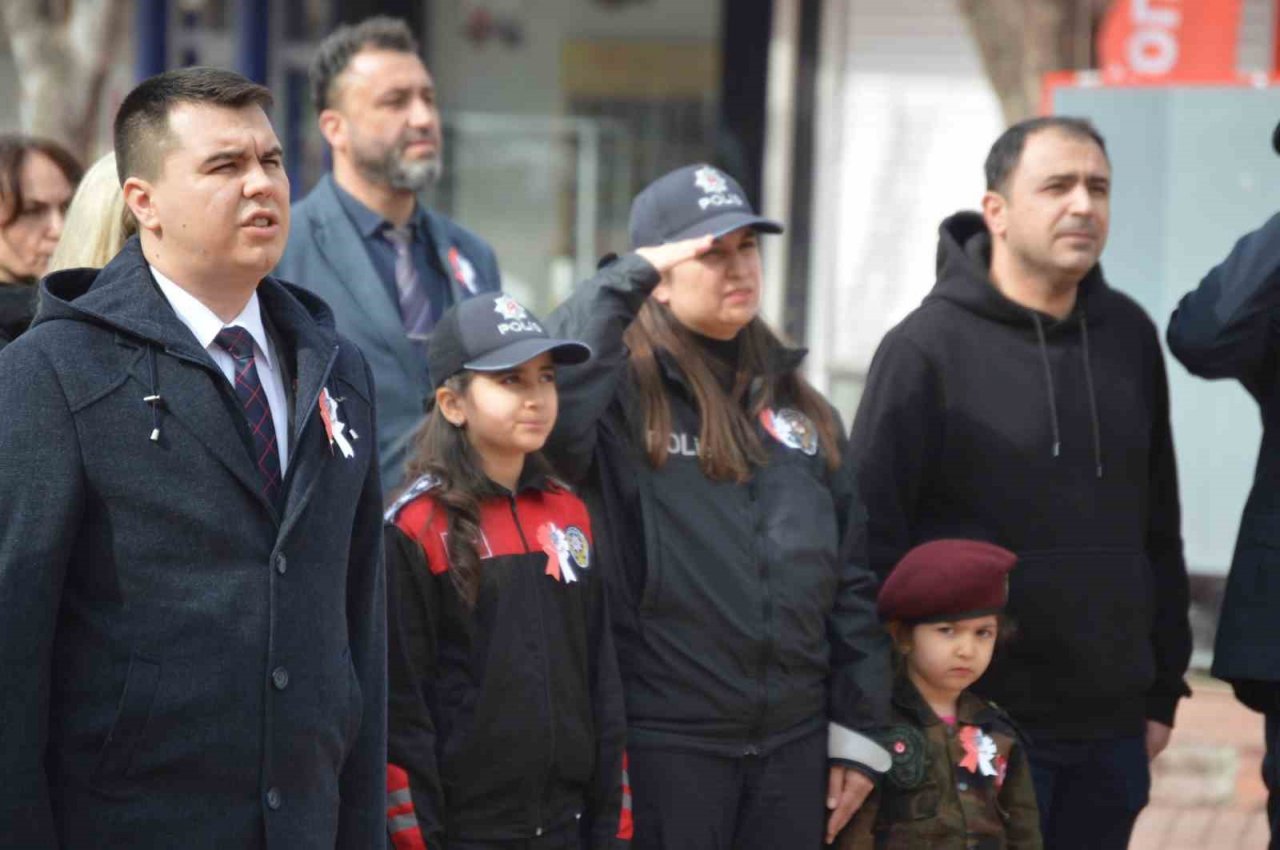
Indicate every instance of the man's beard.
{"type": "Point", "coordinates": [392, 169]}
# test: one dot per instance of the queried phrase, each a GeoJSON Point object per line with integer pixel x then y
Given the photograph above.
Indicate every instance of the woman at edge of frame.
{"type": "Point", "coordinates": [754, 668]}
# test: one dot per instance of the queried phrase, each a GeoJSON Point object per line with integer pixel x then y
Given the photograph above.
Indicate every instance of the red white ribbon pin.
{"type": "Point", "coordinates": [334, 427]}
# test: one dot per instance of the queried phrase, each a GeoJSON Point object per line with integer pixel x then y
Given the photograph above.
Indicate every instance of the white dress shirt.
{"type": "Point", "coordinates": [205, 325]}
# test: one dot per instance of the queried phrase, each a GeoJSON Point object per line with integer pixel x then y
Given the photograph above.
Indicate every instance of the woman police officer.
{"type": "Point", "coordinates": [731, 535]}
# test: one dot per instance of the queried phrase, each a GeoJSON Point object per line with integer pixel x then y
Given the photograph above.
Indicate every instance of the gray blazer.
{"type": "Point", "coordinates": [326, 255]}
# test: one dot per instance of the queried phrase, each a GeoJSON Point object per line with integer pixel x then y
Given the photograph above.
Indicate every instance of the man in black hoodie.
{"type": "Point", "coordinates": [1025, 403]}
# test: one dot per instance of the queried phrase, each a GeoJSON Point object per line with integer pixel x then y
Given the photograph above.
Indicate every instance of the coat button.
{"type": "Point", "coordinates": [281, 564]}
{"type": "Point", "coordinates": [280, 678]}
{"type": "Point", "coordinates": [273, 798]}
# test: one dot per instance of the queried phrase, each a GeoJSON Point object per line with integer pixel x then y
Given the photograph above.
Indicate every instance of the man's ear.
{"type": "Point", "coordinates": [995, 212]}
{"type": "Point", "coordinates": [333, 126]}
{"type": "Point", "coordinates": [139, 198]}
{"type": "Point", "coordinates": [450, 406]}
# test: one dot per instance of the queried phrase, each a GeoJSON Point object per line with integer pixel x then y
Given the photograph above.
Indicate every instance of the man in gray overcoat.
{"type": "Point", "coordinates": [192, 612]}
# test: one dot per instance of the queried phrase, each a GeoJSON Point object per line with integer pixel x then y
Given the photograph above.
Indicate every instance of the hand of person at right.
{"type": "Point", "coordinates": [671, 254]}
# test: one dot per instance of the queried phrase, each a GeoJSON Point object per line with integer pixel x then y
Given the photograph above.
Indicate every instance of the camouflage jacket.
{"type": "Point", "coordinates": [962, 787]}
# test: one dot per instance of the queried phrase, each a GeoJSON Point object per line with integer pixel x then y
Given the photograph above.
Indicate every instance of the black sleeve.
{"type": "Point", "coordinates": [895, 444]}
{"type": "Point", "coordinates": [413, 608]}
{"type": "Point", "coordinates": [1171, 627]}
{"type": "Point", "coordinates": [360, 784]}
{"type": "Point", "coordinates": [608, 801]}
{"type": "Point", "coordinates": [1223, 328]}
{"type": "Point", "coordinates": [861, 676]}
{"type": "Point", "coordinates": [598, 313]}
{"type": "Point", "coordinates": [41, 501]}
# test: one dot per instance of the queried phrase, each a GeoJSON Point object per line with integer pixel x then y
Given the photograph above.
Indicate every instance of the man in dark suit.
{"type": "Point", "coordinates": [363, 240]}
{"type": "Point", "coordinates": [192, 642]}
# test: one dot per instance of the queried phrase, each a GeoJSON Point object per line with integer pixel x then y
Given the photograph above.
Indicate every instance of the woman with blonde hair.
{"type": "Point", "coordinates": [97, 224]}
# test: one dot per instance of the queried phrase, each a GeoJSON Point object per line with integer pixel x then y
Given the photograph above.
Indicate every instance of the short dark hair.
{"type": "Point", "coordinates": [142, 124]}
{"type": "Point", "coordinates": [334, 53]}
{"type": "Point", "coordinates": [1006, 153]}
{"type": "Point", "coordinates": [14, 150]}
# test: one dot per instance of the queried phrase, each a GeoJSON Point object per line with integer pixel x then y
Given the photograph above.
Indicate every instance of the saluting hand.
{"type": "Point", "coordinates": [668, 256]}
{"type": "Point", "coordinates": [847, 790]}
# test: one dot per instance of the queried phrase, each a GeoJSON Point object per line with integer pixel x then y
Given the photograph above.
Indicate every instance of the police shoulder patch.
{"type": "Point", "coordinates": [907, 748]}
{"type": "Point", "coordinates": [791, 428]}
{"type": "Point", "coordinates": [579, 549]}
{"type": "Point", "coordinates": [423, 484]}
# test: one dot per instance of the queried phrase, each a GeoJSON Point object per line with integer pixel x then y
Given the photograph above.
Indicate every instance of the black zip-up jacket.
{"type": "Point", "coordinates": [987, 420]}
{"type": "Point", "coordinates": [507, 718]}
{"type": "Point", "coordinates": [744, 613]}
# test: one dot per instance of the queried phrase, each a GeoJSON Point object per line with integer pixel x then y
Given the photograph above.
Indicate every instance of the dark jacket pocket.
{"type": "Point", "coordinates": [141, 682]}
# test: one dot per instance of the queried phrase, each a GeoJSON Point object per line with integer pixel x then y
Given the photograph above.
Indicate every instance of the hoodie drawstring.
{"type": "Point", "coordinates": [1048, 378]}
{"type": "Point", "coordinates": [1093, 398]}
{"type": "Point", "coordinates": [154, 399]}
{"type": "Point", "coordinates": [1088, 380]}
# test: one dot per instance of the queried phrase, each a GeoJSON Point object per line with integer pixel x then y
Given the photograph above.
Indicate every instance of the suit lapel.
{"type": "Point", "coordinates": [192, 388]}
{"type": "Point", "coordinates": [313, 351]}
{"type": "Point", "coordinates": [193, 394]}
{"type": "Point", "coordinates": [442, 246]}
{"type": "Point", "coordinates": [340, 245]}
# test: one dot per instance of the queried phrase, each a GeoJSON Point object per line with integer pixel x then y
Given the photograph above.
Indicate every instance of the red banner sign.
{"type": "Point", "coordinates": [1156, 41]}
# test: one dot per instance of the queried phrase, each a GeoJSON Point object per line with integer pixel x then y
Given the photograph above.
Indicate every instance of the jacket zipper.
{"type": "Point", "coordinates": [766, 649]}
{"type": "Point", "coordinates": [546, 674]}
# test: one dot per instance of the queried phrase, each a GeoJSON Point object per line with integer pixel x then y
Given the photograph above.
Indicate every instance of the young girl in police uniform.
{"type": "Point", "coordinates": [506, 724]}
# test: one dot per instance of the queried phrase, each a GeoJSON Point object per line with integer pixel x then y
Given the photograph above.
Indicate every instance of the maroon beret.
{"type": "Point", "coordinates": [947, 579]}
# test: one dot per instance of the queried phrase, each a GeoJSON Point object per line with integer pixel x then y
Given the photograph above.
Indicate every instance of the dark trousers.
{"type": "Point", "coordinates": [1271, 775]}
{"type": "Point", "coordinates": [1264, 697]}
{"type": "Point", "coordinates": [695, 801]}
{"type": "Point", "coordinates": [1090, 792]}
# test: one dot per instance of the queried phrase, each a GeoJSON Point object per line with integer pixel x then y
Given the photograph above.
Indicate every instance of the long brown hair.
{"type": "Point", "coordinates": [442, 450]}
{"type": "Point", "coordinates": [729, 445]}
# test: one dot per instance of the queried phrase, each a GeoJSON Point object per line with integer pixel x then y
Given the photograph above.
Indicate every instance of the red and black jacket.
{"type": "Point", "coordinates": [506, 721]}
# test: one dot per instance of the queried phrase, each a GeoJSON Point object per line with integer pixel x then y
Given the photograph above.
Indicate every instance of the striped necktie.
{"type": "Point", "coordinates": [237, 342]}
{"type": "Point", "coordinates": [415, 306]}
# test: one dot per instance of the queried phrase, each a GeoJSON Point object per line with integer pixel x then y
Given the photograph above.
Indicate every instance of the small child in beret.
{"type": "Point", "coordinates": [960, 779]}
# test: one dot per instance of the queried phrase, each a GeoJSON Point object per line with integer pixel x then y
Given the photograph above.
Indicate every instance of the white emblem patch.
{"type": "Point", "coordinates": [791, 428]}
{"type": "Point", "coordinates": [508, 308]}
{"type": "Point", "coordinates": [715, 189]}
{"type": "Point", "coordinates": [709, 180]}
{"type": "Point", "coordinates": [576, 542]}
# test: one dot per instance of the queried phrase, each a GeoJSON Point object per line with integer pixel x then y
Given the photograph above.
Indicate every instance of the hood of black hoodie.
{"type": "Point", "coordinates": [964, 277]}
{"type": "Point", "coordinates": [109, 297]}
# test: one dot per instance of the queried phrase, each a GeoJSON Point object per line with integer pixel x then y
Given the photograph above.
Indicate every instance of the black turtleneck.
{"type": "Point", "coordinates": [722, 357]}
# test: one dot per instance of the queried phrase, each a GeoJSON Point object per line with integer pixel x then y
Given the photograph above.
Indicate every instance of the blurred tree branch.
{"type": "Point", "coordinates": [63, 50]}
{"type": "Point", "coordinates": [1021, 40]}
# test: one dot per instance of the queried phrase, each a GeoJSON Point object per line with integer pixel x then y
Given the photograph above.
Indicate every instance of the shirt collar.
{"type": "Point", "coordinates": [205, 325]}
{"type": "Point", "coordinates": [369, 224]}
